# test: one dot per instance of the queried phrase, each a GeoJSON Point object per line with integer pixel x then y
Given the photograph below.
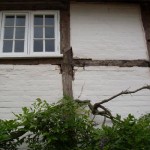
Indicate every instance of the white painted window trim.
{"type": "Point", "coordinates": [28, 49]}
{"type": "Point", "coordinates": [2, 34]}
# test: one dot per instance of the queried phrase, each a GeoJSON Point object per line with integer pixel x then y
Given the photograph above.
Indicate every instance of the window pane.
{"type": "Point", "coordinates": [7, 46]}
{"type": "Point", "coordinates": [49, 32]}
{"type": "Point", "coordinates": [38, 32]}
{"type": "Point", "coordinates": [49, 45]}
{"type": "Point", "coordinates": [8, 33]}
{"type": "Point", "coordinates": [20, 21]}
{"type": "Point", "coordinates": [38, 20]}
{"type": "Point", "coordinates": [19, 46]}
{"type": "Point", "coordinates": [9, 20]}
{"type": "Point", "coordinates": [38, 45]}
{"type": "Point", "coordinates": [20, 33]}
{"type": "Point", "coordinates": [49, 20]}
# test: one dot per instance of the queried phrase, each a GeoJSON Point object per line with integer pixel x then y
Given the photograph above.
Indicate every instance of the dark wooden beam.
{"type": "Point", "coordinates": [65, 29]}
{"type": "Point", "coordinates": [145, 12]}
{"type": "Point", "coordinates": [75, 62]}
{"type": "Point", "coordinates": [67, 73]}
{"type": "Point", "coordinates": [67, 69]}
{"type": "Point", "coordinates": [33, 4]}
{"type": "Point", "coordinates": [119, 63]}
{"type": "Point", "coordinates": [124, 1]}
{"type": "Point", "coordinates": [36, 1]}
{"type": "Point", "coordinates": [31, 61]}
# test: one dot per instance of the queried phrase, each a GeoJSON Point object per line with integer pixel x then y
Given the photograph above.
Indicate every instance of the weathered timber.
{"type": "Point", "coordinates": [76, 62]}
{"type": "Point", "coordinates": [119, 63]}
{"type": "Point", "coordinates": [67, 72]}
{"type": "Point", "coordinates": [30, 1]}
{"type": "Point", "coordinates": [50, 4]}
{"type": "Point", "coordinates": [125, 1]}
{"type": "Point", "coordinates": [31, 61]}
{"type": "Point", "coordinates": [65, 29]}
{"type": "Point", "coordinates": [37, 1]}
{"type": "Point", "coordinates": [145, 12]}
{"type": "Point", "coordinates": [32, 4]}
{"type": "Point", "coordinates": [66, 67]}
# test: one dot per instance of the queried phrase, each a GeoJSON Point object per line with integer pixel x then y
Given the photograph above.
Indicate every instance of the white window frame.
{"type": "Point", "coordinates": [28, 46]}
{"type": "Point", "coordinates": [2, 35]}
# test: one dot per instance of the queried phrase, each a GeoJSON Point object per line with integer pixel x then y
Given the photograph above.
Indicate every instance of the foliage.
{"type": "Point", "coordinates": [64, 126]}
{"type": "Point", "coordinates": [127, 134]}
{"type": "Point", "coordinates": [8, 128]}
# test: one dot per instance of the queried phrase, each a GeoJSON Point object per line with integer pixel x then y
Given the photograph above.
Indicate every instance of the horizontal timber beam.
{"type": "Point", "coordinates": [76, 62]}
{"type": "Point", "coordinates": [125, 1]}
{"type": "Point", "coordinates": [119, 63]}
{"type": "Point", "coordinates": [31, 61]}
{"type": "Point", "coordinates": [33, 4]}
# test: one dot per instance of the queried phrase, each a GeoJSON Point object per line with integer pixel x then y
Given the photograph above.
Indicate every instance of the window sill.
{"type": "Point", "coordinates": [30, 56]}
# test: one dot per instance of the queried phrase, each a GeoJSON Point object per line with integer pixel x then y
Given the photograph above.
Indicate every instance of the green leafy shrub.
{"type": "Point", "coordinates": [7, 130]}
{"type": "Point", "coordinates": [66, 125]}
{"type": "Point", "coordinates": [127, 134]}
{"type": "Point", "coordinates": [61, 126]}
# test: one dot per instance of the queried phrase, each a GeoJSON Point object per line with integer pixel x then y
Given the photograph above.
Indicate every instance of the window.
{"type": "Point", "coordinates": [34, 33]}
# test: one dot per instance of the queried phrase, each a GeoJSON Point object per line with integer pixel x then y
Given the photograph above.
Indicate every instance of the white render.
{"type": "Point", "coordinates": [20, 85]}
{"type": "Point", "coordinates": [107, 31]}
{"type": "Point", "coordinates": [98, 83]}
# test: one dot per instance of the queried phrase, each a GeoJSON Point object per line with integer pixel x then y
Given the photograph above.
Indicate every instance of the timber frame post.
{"type": "Point", "coordinates": [66, 66]}
{"type": "Point", "coordinates": [145, 13]}
{"type": "Point", "coordinates": [67, 72]}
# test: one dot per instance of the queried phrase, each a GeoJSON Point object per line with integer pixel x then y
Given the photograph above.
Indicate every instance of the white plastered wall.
{"type": "Point", "coordinates": [107, 31]}
{"type": "Point", "coordinates": [115, 32]}
{"type": "Point", "coordinates": [98, 83]}
{"type": "Point", "coordinates": [20, 85]}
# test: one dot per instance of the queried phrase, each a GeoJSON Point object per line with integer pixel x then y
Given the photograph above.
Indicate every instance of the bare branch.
{"type": "Point", "coordinates": [121, 93]}
{"type": "Point", "coordinates": [105, 112]}
{"type": "Point", "coordinates": [81, 90]}
{"type": "Point", "coordinates": [104, 121]}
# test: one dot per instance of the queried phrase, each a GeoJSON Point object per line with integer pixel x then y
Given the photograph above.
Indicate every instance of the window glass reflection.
{"type": "Point", "coordinates": [49, 32]}
{"type": "Point", "coordinates": [38, 45]}
{"type": "Point", "coordinates": [9, 20]}
{"type": "Point", "coordinates": [20, 33]}
{"type": "Point", "coordinates": [19, 46]}
{"type": "Point", "coordinates": [8, 32]}
{"type": "Point", "coordinates": [20, 21]}
{"type": "Point", "coordinates": [49, 46]}
{"type": "Point", "coordinates": [38, 32]}
{"type": "Point", "coordinates": [38, 20]}
{"type": "Point", "coordinates": [49, 19]}
{"type": "Point", "coordinates": [7, 46]}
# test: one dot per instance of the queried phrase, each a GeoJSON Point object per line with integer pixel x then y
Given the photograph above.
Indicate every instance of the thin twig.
{"type": "Point", "coordinates": [104, 121]}
{"type": "Point", "coordinates": [93, 117]}
{"type": "Point", "coordinates": [122, 93]}
{"type": "Point", "coordinates": [81, 90]}
{"type": "Point", "coordinates": [105, 112]}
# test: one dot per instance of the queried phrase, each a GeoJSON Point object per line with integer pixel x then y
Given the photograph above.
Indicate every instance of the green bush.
{"type": "Point", "coordinates": [61, 126]}
{"type": "Point", "coordinates": [127, 134]}
{"type": "Point", "coordinates": [66, 125]}
{"type": "Point", "coordinates": [7, 129]}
